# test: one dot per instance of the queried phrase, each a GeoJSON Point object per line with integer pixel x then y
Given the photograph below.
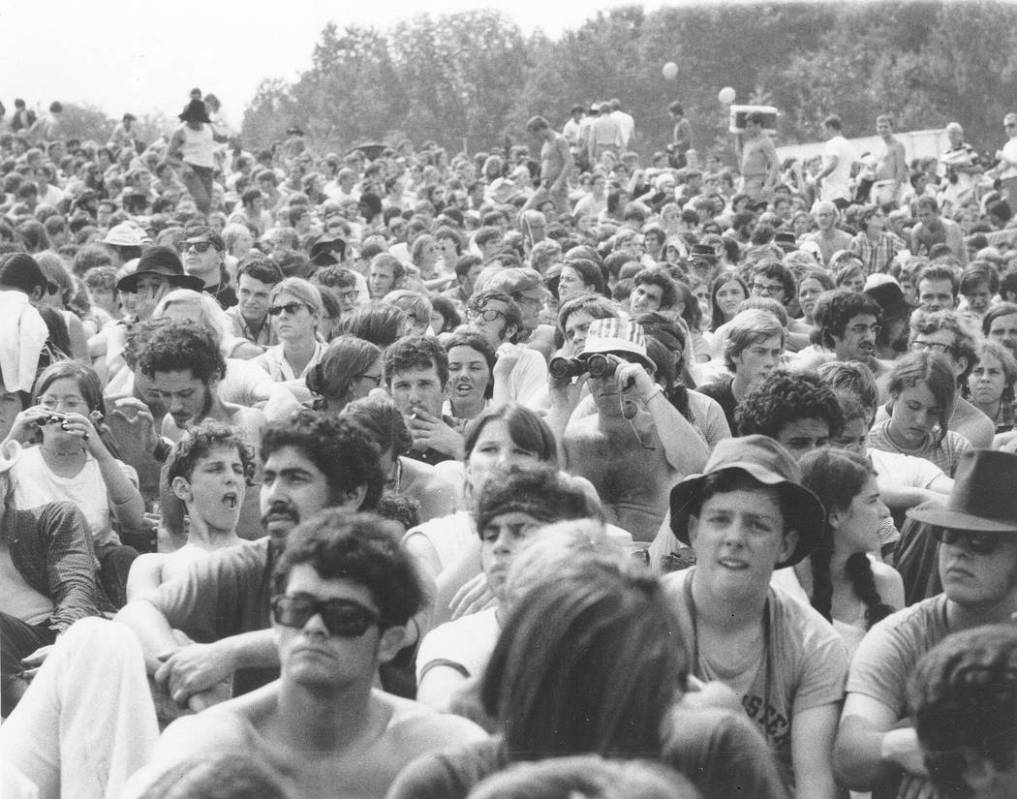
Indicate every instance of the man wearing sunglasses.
{"type": "Point", "coordinates": [309, 463]}
{"type": "Point", "coordinates": [343, 592]}
{"type": "Point", "coordinates": [202, 252]}
{"type": "Point", "coordinates": [877, 748]}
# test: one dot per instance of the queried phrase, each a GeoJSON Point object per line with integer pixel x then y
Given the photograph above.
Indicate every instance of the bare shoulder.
{"type": "Point", "coordinates": [418, 727]}
{"type": "Point", "coordinates": [889, 583]}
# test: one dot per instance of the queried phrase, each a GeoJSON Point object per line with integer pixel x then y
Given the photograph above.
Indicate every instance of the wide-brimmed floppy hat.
{"type": "Point", "coordinates": [984, 495]}
{"type": "Point", "coordinates": [763, 459]}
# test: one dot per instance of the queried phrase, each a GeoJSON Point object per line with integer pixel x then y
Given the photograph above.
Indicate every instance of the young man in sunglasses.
{"type": "Point", "coordinates": [877, 748]}
{"type": "Point", "coordinates": [309, 463]}
{"type": "Point", "coordinates": [343, 592]}
{"type": "Point", "coordinates": [203, 252]}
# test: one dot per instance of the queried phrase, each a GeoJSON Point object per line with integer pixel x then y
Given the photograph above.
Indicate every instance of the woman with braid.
{"type": "Point", "coordinates": [846, 585]}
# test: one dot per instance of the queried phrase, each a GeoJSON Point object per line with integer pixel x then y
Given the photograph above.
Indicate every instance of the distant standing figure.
{"type": "Point", "coordinates": [759, 162]}
{"type": "Point", "coordinates": [192, 148]}
{"type": "Point", "coordinates": [891, 171]}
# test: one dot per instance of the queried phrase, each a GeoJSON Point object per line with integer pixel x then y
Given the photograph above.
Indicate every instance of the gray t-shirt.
{"type": "Point", "coordinates": [803, 665]}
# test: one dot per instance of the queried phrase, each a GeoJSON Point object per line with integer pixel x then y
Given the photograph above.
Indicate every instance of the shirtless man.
{"type": "Point", "coordinates": [891, 172]}
{"type": "Point", "coordinates": [758, 157]}
{"type": "Point", "coordinates": [185, 367]}
{"type": "Point", "coordinates": [322, 727]}
{"type": "Point", "coordinates": [207, 471]}
{"type": "Point", "coordinates": [628, 439]}
{"type": "Point", "coordinates": [555, 163]}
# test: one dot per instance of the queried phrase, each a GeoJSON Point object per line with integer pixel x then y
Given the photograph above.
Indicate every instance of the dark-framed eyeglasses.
{"type": "Point", "coordinates": [978, 543]}
{"type": "Point", "coordinates": [289, 308]}
{"type": "Point", "coordinates": [376, 379]}
{"type": "Point", "coordinates": [861, 330]}
{"type": "Point", "coordinates": [768, 287]}
{"type": "Point", "coordinates": [341, 617]}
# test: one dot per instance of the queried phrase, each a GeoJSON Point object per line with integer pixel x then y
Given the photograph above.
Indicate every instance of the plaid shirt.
{"type": "Point", "coordinates": [876, 257]}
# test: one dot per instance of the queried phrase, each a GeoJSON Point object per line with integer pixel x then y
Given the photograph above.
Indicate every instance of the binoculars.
{"type": "Point", "coordinates": [596, 365]}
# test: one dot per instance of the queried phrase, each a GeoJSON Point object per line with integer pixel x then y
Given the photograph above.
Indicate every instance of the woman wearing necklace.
{"type": "Point", "coordinates": [77, 462]}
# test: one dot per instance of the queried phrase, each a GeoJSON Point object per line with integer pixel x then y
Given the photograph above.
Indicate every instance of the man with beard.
{"type": "Point", "coordinates": [185, 366]}
{"type": "Point", "coordinates": [308, 464]}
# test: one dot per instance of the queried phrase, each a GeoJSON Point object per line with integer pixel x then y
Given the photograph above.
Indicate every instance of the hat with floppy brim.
{"type": "Point", "coordinates": [129, 283]}
{"type": "Point", "coordinates": [805, 512]}
{"type": "Point", "coordinates": [984, 495]}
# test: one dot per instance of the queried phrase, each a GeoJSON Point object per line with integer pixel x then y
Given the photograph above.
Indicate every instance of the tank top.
{"type": "Point", "coordinates": [197, 149]}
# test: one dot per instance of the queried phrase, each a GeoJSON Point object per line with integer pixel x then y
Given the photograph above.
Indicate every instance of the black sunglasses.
{"type": "Point", "coordinates": [199, 246]}
{"type": "Point", "coordinates": [341, 617]}
{"type": "Point", "coordinates": [979, 543]}
{"type": "Point", "coordinates": [290, 308]}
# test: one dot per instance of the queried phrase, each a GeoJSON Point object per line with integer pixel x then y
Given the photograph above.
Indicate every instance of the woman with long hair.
{"type": "Point", "coordinates": [811, 284]}
{"type": "Point", "coordinates": [922, 390]}
{"type": "Point", "coordinates": [587, 662]}
{"type": "Point", "coordinates": [349, 368]}
{"type": "Point", "coordinates": [849, 588]}
{"type": "Point", "coordinates": [76, 460]}
{"type": "Point", "coordinates": [471, 360]}
{"type": "Point", "coordinates": [727, 292]}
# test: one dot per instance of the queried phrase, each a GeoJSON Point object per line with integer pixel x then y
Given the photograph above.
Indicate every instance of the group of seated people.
{"type": "Point", "coordinates": [449, 501]}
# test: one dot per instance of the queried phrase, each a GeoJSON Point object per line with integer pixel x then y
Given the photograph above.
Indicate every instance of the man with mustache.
{"type": "Point", "coordinates": [309, 463]}
{"type": "Point", "coordinates": [849, 325]}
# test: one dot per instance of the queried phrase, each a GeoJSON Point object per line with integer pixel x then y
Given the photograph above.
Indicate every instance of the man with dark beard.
{"type": "Point", "coordinates": [222, 604]}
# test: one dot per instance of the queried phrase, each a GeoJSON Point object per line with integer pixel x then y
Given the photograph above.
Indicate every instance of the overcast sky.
{"type": "Point", "coordinates": [125, 55]}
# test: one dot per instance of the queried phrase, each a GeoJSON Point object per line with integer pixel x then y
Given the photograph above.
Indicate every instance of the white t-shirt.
{"type": "Point", "coordinates": [464, 644]}
{"type": "Point", "coordinates": [837, 185]}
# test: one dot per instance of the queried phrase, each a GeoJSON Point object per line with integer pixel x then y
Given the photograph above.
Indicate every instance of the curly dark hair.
{"type": "Point", "coordinates": [416, 352]}
{"type": "Point", "coordinates": [964, 692]}
{"type": "Point", "coordinates": [785, 397]}
{"type": "Point", "coordinates": [183, 346]}
{"type": "Point", "coordinates": [360, 547]}
{"type": "Point", "coordinates": [840, 306]}
{"type": "Point", "coordinates": [340, 450]}
{"type": "Point", "coordinates": [199, 440]}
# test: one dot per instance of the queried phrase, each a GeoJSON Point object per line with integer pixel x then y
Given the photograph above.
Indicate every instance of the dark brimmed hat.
{"type": "Point", "coordinates": [194, 111]}
{"type": "Point", "coordinates": [763, 459]}
{"type": "Point", "coordinates": [704, 252]}
{"type": "Point", "coordinates": [164, 262]}
{"type": "Point", "coordinates": [984, 495]}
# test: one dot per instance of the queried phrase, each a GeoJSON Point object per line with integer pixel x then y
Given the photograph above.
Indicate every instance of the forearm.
{"type": "Point", "coordinates": [684, 447]}
{"type": "Point", "coordinates": [125, 500]}
{"type": "Point", "coordinates": [255, 649]}
{"type": "Point", "coordinates": [153, 631]}
{"type": "Point", "coordinates": [864, 756]}
{"type": "Point", "coordinates": [900, 497]}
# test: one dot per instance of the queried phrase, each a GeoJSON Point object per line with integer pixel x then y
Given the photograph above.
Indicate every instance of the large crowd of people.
{"type": "Point", "coordinates": [575, 467]}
